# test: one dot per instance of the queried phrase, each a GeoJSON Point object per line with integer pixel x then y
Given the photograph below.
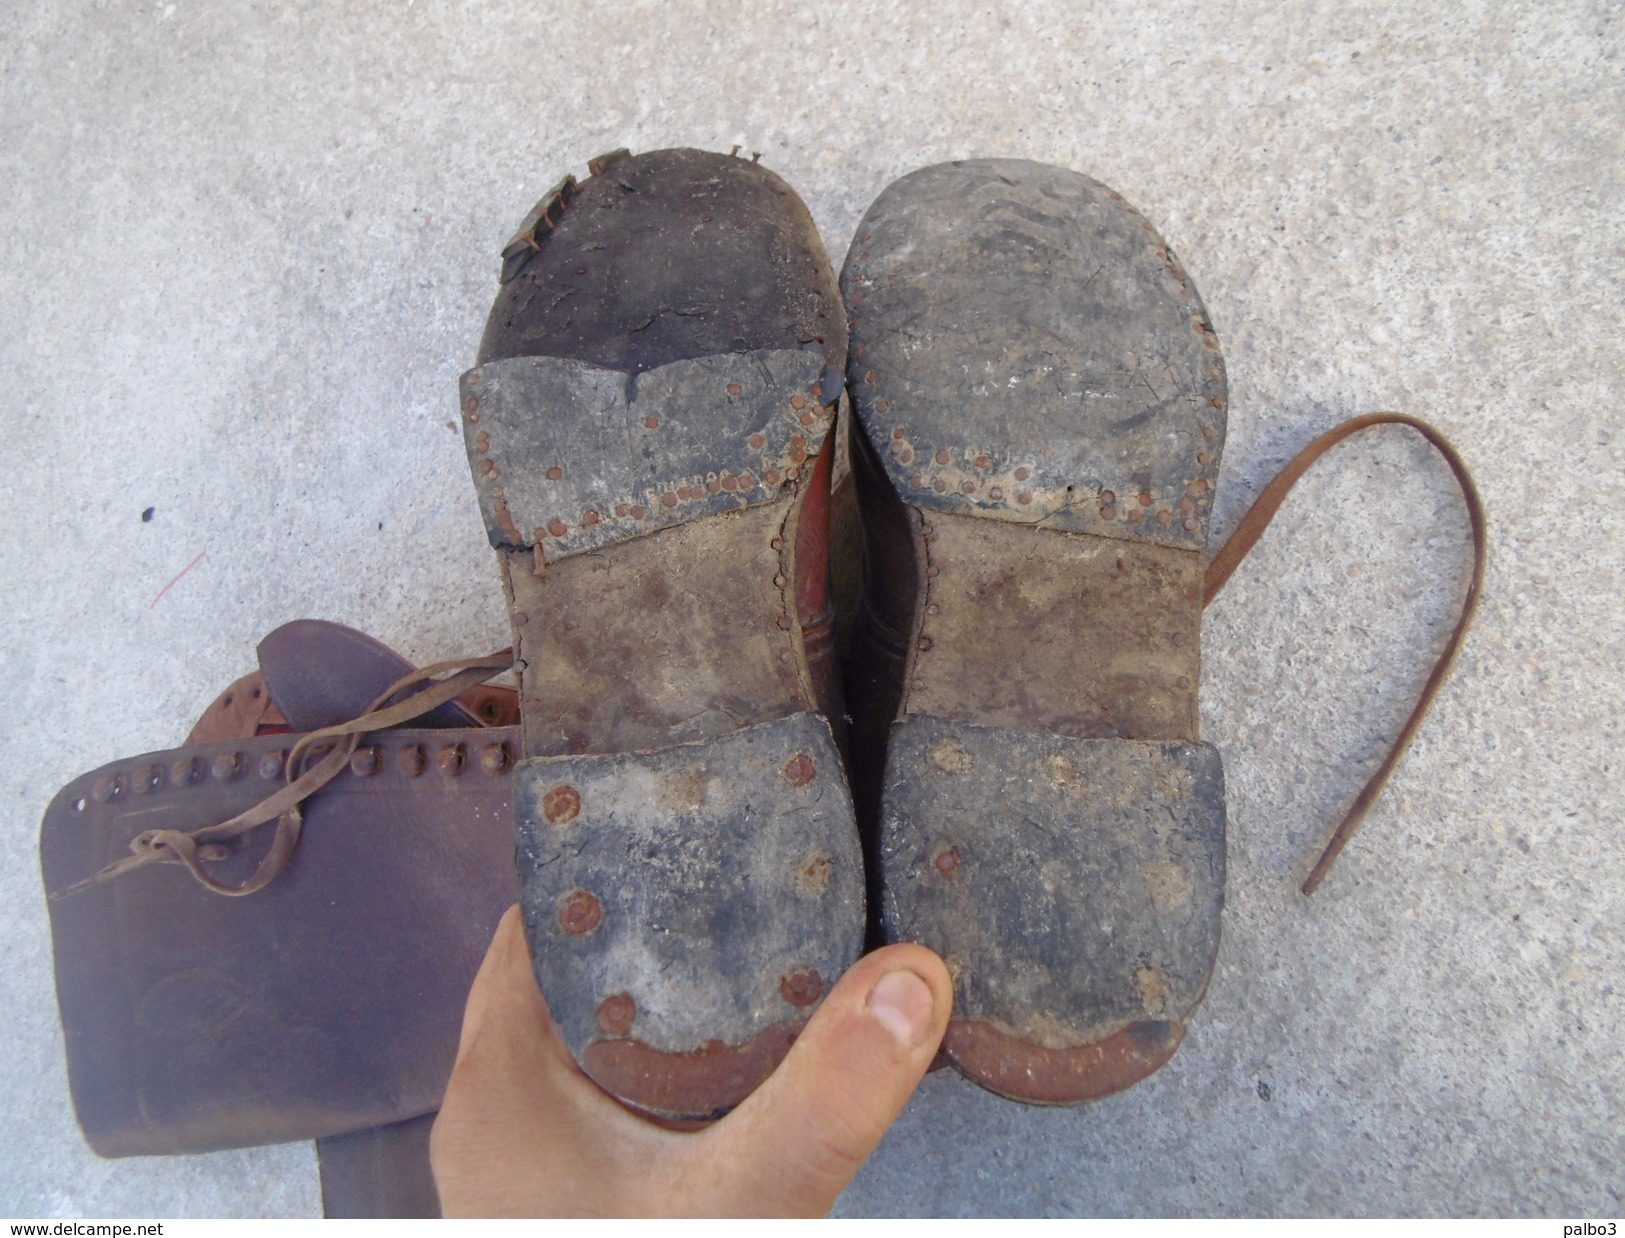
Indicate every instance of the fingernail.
{"type": "Point", "coordinates": [902, 1003]}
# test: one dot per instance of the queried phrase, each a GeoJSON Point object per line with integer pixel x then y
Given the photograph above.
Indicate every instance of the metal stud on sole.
{"type": "Point", "coordinates": [686, 908]}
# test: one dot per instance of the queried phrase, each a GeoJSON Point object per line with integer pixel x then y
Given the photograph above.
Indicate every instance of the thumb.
{"type": "Point", "coordinates": [793, 1145]}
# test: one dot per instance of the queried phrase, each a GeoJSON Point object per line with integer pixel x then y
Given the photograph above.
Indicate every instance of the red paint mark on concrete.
{"type": "Point", "coordinates": [202, 555]}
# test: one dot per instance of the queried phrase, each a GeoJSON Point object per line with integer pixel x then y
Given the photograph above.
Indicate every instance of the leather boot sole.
{"type": "Point", "coordinates": [1043, 401]}
{"type": "Point", "coordinates": [650, 432]}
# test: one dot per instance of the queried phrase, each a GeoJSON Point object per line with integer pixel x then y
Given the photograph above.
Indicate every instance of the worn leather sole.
{"type": "Point", "coordinates": [650, 431]}
{"type": "Point", "coordinates": [1043, 403]}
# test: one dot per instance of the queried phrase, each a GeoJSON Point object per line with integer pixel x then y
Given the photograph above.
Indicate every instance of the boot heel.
{"type": "Point", "coordinates": [688, 908]}
{"type": "Point", "coordinates": [1074, 888]}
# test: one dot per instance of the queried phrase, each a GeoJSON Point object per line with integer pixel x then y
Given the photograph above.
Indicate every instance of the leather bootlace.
{"type": "Point", "coordinates": [1251, 528]}
{"type": "Point", "coordinates": [195, 848]}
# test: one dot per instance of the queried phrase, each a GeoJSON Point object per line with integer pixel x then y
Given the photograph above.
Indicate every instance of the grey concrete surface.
{"type": "Point", "coordinates": [249, 247]}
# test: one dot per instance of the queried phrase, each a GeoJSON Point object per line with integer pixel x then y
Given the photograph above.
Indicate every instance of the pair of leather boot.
{"type": "Point", "coordinates": [708, 835]}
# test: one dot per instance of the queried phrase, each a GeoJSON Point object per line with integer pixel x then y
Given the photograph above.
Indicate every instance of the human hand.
{"type": "Point", "coordinates": [523, 1132]}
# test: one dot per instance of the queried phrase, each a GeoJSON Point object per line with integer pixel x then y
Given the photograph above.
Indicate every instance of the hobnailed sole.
{"type": "Point", "coordinates": [688, 907]}
{"type": "Point", "coordinates": [650, 435]}
{"type": "Point", "coordinates": [1072, 886]}
{"type": "Point", "coordinates": [1039, 384]}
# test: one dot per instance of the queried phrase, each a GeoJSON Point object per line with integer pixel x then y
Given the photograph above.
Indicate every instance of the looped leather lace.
{"type": "Point", "coordinates": [1251, 528]}
{"type": "Point", "coordinates": [196, 847]}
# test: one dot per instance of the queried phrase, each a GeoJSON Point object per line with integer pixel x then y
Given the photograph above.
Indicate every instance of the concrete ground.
{"type": "Point", "coordinates": [249, 247]}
